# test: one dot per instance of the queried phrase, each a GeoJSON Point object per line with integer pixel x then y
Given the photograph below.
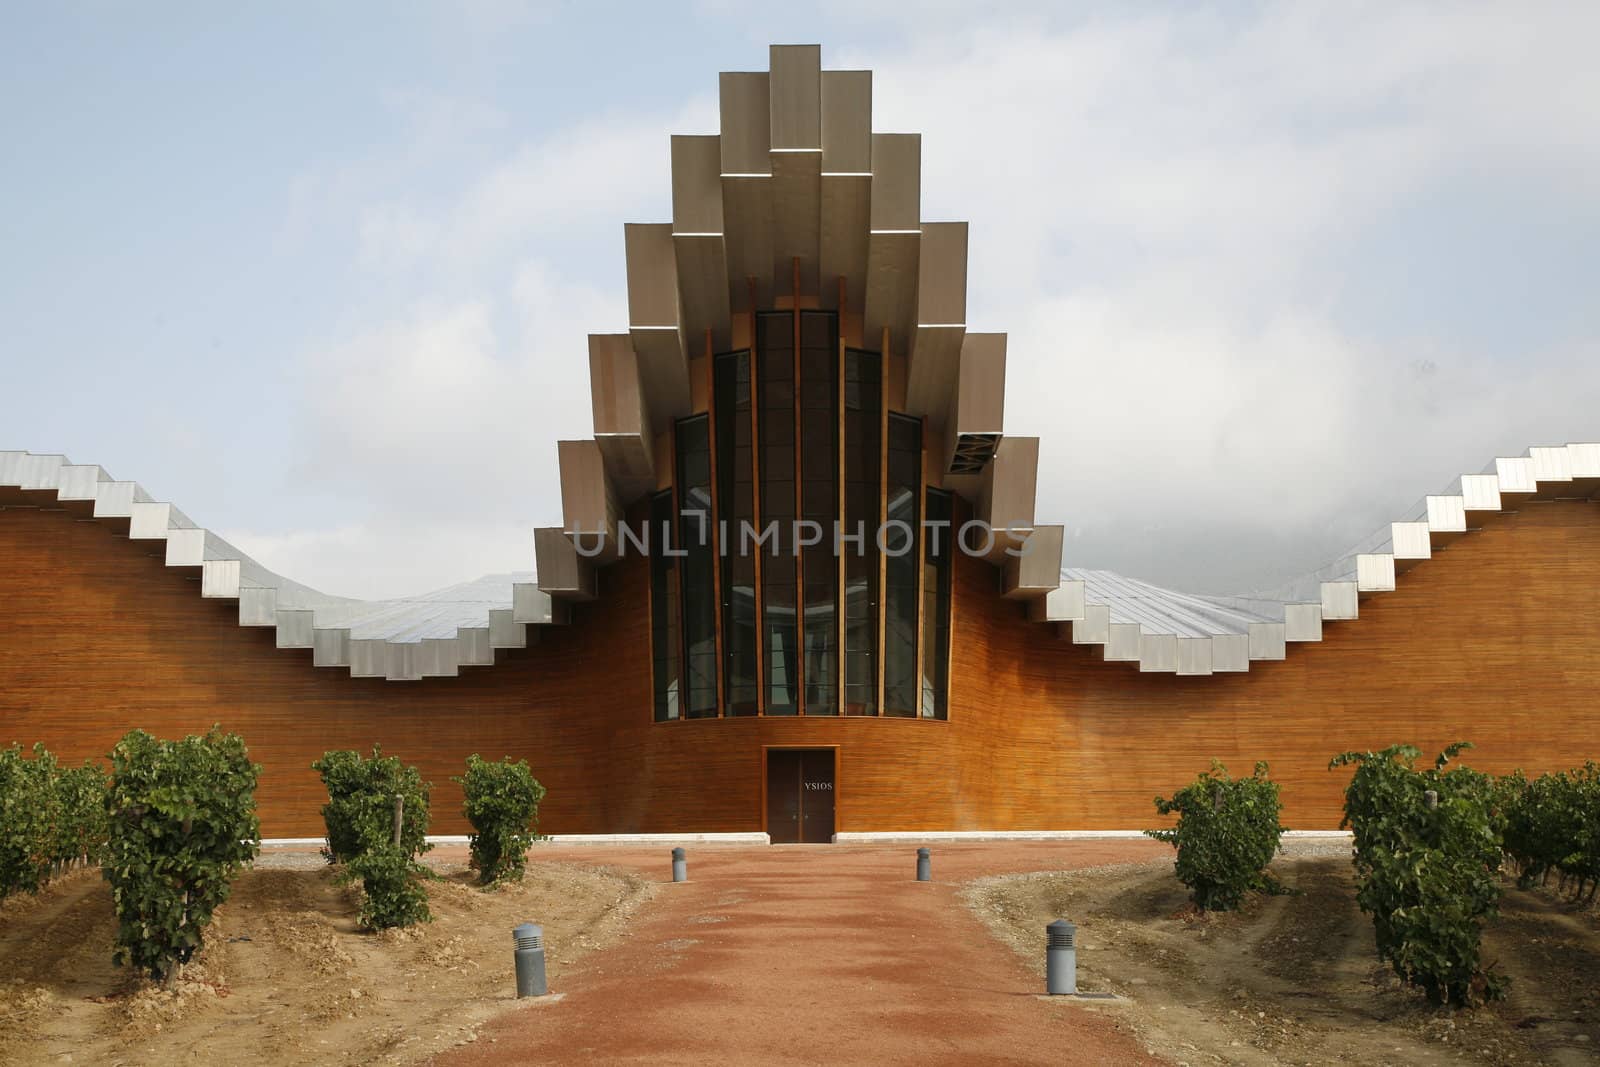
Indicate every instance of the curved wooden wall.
{"type": "Point", "coordinates": [1494, 641]}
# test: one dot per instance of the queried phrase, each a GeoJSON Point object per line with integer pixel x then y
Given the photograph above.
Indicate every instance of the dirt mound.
{"type": "Point", "coordinates": [1295, 979]}
{"type": "Point", "coordinates": [286, 975]}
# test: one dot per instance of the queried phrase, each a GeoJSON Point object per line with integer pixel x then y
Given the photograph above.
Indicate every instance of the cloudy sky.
{"type": "Point", "coordinates": [1271, 272]}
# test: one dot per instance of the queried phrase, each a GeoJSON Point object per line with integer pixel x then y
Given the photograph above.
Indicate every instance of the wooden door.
{"type": "Point", "coordinates": [783, 796]}
{"type": "Point", "coordinates": [816, 796]}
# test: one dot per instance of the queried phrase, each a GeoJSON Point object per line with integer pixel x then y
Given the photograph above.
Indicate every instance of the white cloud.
{"type": "Point", "coordinates": [1165, 208]}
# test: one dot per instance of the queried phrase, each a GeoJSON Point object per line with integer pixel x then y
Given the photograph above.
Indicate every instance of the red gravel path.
{"type": "Point", "coordinates": [813, 954]}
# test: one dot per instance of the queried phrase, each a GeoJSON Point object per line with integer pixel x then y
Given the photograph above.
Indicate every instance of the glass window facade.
{"type": "Point", "coordinates": [858, 551]}
{"type": "Point", "coordinates": [800, 578]}
{"type": "Point", "coordinates": [819, 504]}
{"type": "Point", "coordinates": [780, 623]}
{"type": "Point", "coordinates": [737, 511]}
{"type": "Point", "coordinates": [664, 648]}
{"type": "Point", "coordinates": [698, 590]}
{"type": "Point", "coordinates": [937, 547]}
{"type": "Point", "coordinates": [901, 566]}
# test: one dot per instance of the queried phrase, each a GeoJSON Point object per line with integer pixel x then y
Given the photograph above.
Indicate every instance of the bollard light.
{"type": "Point", "coordinates": [1061, 958]}
{"type": "Point", "coordinates": [924, 865]}
{"type": "Point", "coordinates": [529, 940]}
{"type": "Point", "coordinates": [680, 865]}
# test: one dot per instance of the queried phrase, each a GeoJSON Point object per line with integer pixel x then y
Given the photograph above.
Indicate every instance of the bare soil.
{"type": "Point", "coordinates": [286, 975]}
{"type": "Point", "coordinates": [1295, 979]}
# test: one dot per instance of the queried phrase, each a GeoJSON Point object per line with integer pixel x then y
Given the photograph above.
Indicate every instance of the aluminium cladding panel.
{"type": "Point", "coordinates": [1006, 497]}
{"type": "Point", "coordinates": [1267, 641]}
{"type": "Point", "coordinates": [296, 627]}
{"type": "Point", "coordinates": [1230, 653]}
{"type": "Point", "coordinates": [746, 171]}
{"type": "Point", "coordinates": [1065, 603]}
{"type": "Point", "coordinates": [846, 185]}
{"type": "Point", "coordinates": [1552, 471]}
{"type": "Point", "coordinates": [1516, 478]}
{"type": "Point", "coordinates": [219, 578]}
{"type": "Point", "coordinates": [475, 647]}
{"type": "Point", "coordinates": [152, 521]}
{"type": "Point", "coordinates": [1410, 540]}
{"type": "Point", "coordinates": [1340, 600]}
{"type": "Point", "coordinates": [80, 482]}
{"type": "Point", "coordinates": [115, 500]}
{"type": "Point", "coordinates": [590, 509]}
{"type": "Point", "coordinates": [186, 547]}
{"type": "Point", "coordinates": [697, 237]}
{"type": "Point", "coordinates": [562, 573]}
{"type": "Point", "coordinates": [1584, 459]}
{"type": "Point", "coordinates": [258, 606]}
{"type": "Point", "coordinates": [1480, 496]}
{"type": "Point", "coordinates": [1375, 572]}
{"type": "Point", "coordinates": [37, 472]}
{"type": "Point", "coordinates": [1194, 655]}
{"type": "Point", "coordinates": [532, 605]}
{"type": "Point", "coordinates": [1302, 622]}
{"type": "Point", "coordinates": [795, 125]}
{"type": "Point", "coordinates": [1447, 519]}
{"type": "Point", "coordinates": [653, 317]}
{"type": "Point", "coordinates": [621, 415]}
{"type": "Point", "coordinates": [979, 404]}
{"type": "Point", "coordinates": [1036, 572]}
{"type": "Point", "coordinates": [1095, 626]}
{"type": "Point", "coordinates": [1122, 642]}
{"type": "Point", "coordinates": [941, 322]}
{"type": "Point", "coordinates": [1158, 653]}
{"type": "Point", "coordinates": [795, 97]}
{"type": "Point", "coordinates": [505, 631]}
{"type": "Point", "coordinates": [330, 647]}
{"type": "Point", "coordinates": [895, 238]}
{"type": "Point", "coordinates": [796, 191]}
{"type": "Point", "coordinates": [439, 657]}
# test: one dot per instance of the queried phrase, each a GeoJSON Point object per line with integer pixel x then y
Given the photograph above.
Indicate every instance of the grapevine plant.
{"type": "Point", "coordinates": [51, 817]}
{"type": "Point", "coordinates": [360, 820]}
{"type": "Point", "coordinates": [1227, 832]}
{"type": "Point", "coordinates": [182, 823]}
{"type": "Point", "coordinates": [1427, 853]}
{"type": "Point", "coordinates": [1553, 827]}
{"type": "Point", "coordinates": [503, 807]}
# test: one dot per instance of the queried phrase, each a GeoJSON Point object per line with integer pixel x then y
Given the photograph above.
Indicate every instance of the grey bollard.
{"type": "Point", "coordinates": [680, 865]}
{"type": "Point", "coordinates": [529, 940]}
{"type": "Point", "coordinates": [924, 865]}
{"type": "Point", "coordinates": [1061, 958]}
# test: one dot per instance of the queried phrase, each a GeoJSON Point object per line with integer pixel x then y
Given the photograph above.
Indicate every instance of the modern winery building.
{"type": "Point", "coordinates": [799, 586]}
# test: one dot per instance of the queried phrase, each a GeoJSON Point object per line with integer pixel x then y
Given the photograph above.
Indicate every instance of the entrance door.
{"type": "Point", "coordinates": [800, 796]}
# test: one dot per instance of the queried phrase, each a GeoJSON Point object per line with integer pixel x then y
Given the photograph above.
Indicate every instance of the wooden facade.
{"type": "Point", "coordinates": [1493, 641]}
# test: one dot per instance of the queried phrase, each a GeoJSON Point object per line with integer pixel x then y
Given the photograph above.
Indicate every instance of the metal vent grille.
{"type": "Point", "coordinates": [973, 452]}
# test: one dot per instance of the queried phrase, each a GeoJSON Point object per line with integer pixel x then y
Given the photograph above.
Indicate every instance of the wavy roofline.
{"type": "Point", "coordinates": [1158, 629]}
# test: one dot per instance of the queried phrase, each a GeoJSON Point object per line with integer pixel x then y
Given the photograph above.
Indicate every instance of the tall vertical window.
{"type": "Point", "coordinates": [793, 570]}
{"type": "Point", "coordinates": [780, 624]}
{"type": "Point", "coordinates": [863, 436]}
{"type": "Point", "coordinates": [819, 504]}
{"type": "Point", "coordinates": [903, 516]}
{"type": "Point", "coordinates": [736, 493]}
{"type": "Point", "coordinates": [938, 548]}
{"type": "Point", "coordinates": [699, 591]}
{"type": "Point", "coordinates": [663, 609]}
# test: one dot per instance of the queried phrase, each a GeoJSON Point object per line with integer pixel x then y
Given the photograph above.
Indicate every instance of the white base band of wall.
{"type": "Point", "coordinates": [657, 839]}
{"type": "Point", "coordinates": [564, 839]}
{"type": "Point", "coordinates": [874, 837]}
{"type": "Point", "coordinates": [895, 837]}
